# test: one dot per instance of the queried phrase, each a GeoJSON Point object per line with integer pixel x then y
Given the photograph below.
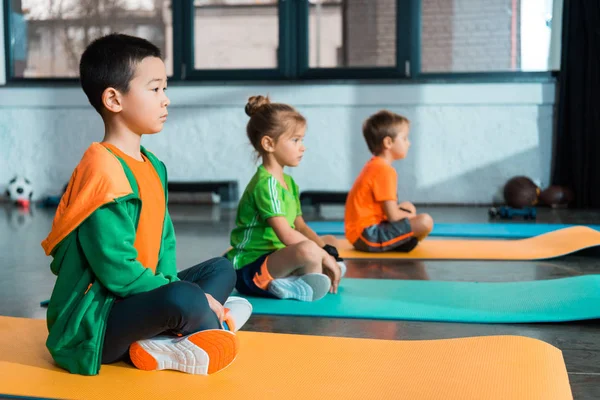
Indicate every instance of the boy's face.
{"type": "Point", "coordinates": [401, 144]}
{"type": "Point", "coordinates": [144, 107]}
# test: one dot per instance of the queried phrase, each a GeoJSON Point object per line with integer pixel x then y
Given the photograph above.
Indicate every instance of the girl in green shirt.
{"type": "Point", "coordinates": [274, 252]}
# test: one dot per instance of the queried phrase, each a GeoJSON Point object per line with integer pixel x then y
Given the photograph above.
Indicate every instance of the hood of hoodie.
{"type": "Point", "coordinates": [97, 180]}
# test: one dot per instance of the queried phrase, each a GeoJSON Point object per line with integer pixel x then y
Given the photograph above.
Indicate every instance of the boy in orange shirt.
{"type": "Point", "coordinates": [374, 221]}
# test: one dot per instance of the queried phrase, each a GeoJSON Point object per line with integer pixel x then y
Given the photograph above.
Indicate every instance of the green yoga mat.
{"type": "Point", "coordinates": [555, 300]}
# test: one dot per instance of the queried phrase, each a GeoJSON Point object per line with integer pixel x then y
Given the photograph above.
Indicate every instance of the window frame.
{"type": "Point", "coordinates": [404, 63]}
{"type": "Point", "coordinates": [468, 77]}
{"type": "Point", "coordinates": [67, 81]}
{"type": "Point", "coordinates": [285, 55]}
{"type": "Point", "coordinates": [293, 54]}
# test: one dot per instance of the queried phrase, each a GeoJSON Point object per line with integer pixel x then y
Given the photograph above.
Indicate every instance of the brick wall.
{"type": "Point", "coordinates": [370, 33]}
{"type": "Point", "coordinates": [466, 35]}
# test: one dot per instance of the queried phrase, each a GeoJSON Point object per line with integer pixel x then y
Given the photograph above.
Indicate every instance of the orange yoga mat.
{"type": "Point", "coordinates": [277, 366]}
{"type": "Point", "coordinates": [549, 245]}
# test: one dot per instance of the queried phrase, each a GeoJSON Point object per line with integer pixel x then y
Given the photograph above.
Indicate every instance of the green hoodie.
{"type": "Point", "coordinates": [94, 258]}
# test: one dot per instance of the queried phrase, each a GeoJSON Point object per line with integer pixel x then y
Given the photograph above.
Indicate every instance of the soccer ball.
{"type": "Point", "coordinates": [20, 191]}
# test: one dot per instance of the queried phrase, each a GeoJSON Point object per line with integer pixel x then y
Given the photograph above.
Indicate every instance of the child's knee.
{"type": "Point", "coordinates": [226, 272]}
{"type": "Point", "coordinates": [308, 252]}
{"type": "Point", "coordinates": [427, 222]}
{"type": "Point", "coordinates": [183, 299]}
{"type": "Point", "coordinates": [329, 239]}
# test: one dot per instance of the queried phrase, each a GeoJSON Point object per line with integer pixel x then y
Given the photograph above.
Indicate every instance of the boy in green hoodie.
{"type": "Point", "coordinates": [118, 295]}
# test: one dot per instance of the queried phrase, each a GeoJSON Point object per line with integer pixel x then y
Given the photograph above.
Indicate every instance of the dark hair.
{"type": "Point", "coordinates": [269, 119]}
{"type": "Point", "coordinates": [379, 126]}
{"type": "Point", "coordinates": [110, 61]}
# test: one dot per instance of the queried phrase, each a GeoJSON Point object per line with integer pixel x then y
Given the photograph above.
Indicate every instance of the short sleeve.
{"type": "Point", "coordinates": [385, 184]}
{"type": "Point", "coordinates": [296, 192]}
{"type": "Point", "coordinates": [268, 198]}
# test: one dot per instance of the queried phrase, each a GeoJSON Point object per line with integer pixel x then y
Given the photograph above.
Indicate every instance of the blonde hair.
{"type": "Point", "coordinates": [379, 126]}
{"type": "Point", "coordinates": [270, 119]}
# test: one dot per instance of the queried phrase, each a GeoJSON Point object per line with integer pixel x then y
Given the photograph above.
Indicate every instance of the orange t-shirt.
{"type": "Point", "coordinates": [148, 236]}
{"type": "Point", "coordinates": [377, 182]}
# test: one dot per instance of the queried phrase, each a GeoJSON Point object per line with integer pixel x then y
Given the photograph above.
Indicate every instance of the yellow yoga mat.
{"type": "Point", "coordinates": [277, 366]}
{"type": "Point", "coordinates": [549, 245]}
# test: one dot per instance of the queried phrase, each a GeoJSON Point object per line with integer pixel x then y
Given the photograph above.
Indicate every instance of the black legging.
{"type": "Point", "coordinates": [177, 308]}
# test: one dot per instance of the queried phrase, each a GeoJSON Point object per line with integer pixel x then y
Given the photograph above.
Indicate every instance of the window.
{"type": "Point", "coordinates": [486, 35]}
{"type": "Point", "coordinates": [295, 39]}
{"type": "Point", "coordinates": [238, 34]}
{"type": "Point", "coordinates": [47, 37]}
{"type": "Point", "coordinates": [350, 33]}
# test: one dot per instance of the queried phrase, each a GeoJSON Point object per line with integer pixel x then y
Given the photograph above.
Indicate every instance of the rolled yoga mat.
{"type": "Point", "coordinates": [555, 300]}
{"type": "Point", "coordinates": [550, 245]}
{"type": "Point", "coordinates": [483, 230]}
{"type": "Point", "coordinates": [277, 366]}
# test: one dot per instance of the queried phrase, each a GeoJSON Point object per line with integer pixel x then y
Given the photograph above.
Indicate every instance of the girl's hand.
{"type": "Point", "coordinates": [333, 271]}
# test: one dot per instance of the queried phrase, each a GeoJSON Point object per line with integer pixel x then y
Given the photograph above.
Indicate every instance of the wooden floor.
{"type": "Point", "coordinates": [203, 232]}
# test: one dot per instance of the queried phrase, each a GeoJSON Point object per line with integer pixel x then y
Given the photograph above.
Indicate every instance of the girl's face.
{"type": "Point", "coordinates": [289, 148]}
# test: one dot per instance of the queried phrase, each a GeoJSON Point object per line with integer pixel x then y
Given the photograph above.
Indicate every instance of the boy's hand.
{"type": "Point", "coordinates": [333, 271]}
{"type": "Point", "coordinates": [216, 307]}
{"type": "Point", "coordinates": [408, 207]}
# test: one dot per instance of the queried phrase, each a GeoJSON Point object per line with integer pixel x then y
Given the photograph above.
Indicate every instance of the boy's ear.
{"type": "Point", "coordinates": [268, 144]}
{"type": "Point", "coordinates": [387, 142]}
{"type": "Point", "coordinates": [112, 100]}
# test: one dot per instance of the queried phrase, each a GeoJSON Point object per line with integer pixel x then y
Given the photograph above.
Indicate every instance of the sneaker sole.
{"type": "Point", "coordinates": [201, 353]}
{"type": "Point", "coordinates": [320, 284]}
{"type": "Point", "coordinates": [281, 291]}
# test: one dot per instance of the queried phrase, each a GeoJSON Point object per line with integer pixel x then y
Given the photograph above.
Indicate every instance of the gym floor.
{"type": "Point", "coordinates": [203, 232]}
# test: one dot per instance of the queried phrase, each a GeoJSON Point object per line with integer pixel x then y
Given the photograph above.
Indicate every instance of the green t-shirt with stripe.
{"type": "Point", "coordinates": [263, 198]}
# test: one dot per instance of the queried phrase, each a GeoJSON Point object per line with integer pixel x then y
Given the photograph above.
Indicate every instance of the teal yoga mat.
{"type": "Point", "coordinates": [480, 230]}
{"type": "Point", "coordinates": [556, 300]}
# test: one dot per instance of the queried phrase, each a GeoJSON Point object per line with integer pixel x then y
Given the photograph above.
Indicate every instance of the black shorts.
{"type": "Point", "coordinates": [387, 236]}
{"type": "Point", "coordinates": [245, 278]}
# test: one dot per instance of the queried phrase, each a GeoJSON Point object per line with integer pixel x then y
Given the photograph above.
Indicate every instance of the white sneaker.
{"type": "Point", "coordinates": [342, 267]}
{"type": "Point", "coordinates": [309, 287]}
{"type": "Point", "coordinates": [238, 311]}
{"type": "Point", "coordinates": [200, 353]}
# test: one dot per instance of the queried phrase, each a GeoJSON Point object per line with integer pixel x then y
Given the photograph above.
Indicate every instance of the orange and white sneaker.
{"type": "Point", "coordinates": [201, 353]}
